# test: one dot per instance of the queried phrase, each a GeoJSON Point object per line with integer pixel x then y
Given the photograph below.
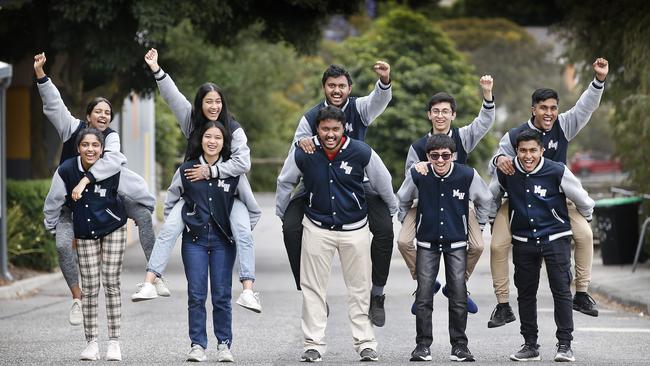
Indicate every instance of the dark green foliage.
{"type": "Point", "coordinates": [29, 245]}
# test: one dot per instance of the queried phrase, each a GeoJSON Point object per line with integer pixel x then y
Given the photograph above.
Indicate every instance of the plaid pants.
{"type": "Point", "coordinates": [101, 256]}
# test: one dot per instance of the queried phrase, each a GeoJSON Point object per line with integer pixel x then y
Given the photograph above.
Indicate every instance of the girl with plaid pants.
{"type": "Point", "coordinates": [98, 220]}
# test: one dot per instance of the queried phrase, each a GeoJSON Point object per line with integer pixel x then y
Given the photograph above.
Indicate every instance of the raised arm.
{"type": "Point", "coordinates": [180, 106]}
{"type": "Point", "coordinates": [576, 118]}
{"type": "Point", "coordinates": [53, 107]}
{"type": "Point", "coordinates": [471, 134]}
{"type": "Point", "coordinates": [374, 104]}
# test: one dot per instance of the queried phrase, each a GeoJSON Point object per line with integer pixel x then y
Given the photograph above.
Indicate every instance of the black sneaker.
{"type": "Point", "coordinates": [460, 352]}
{"type": "Point", "coordinates": [369, 354]}
{"type": "Point", "coordinates": [585, 304]}
{"type": "Point", "coordinates": [564, 353]}
{"type": "Point", "coordinates": [501, 315]}
{"type": "Point", "coordinates": [311, 355]}
{"type": "Point", "coordinates": [421, 353]}
{"type": "Point", "coordinates": [528, 352]}
{"type": "Point", "coordinates": [377, 313]}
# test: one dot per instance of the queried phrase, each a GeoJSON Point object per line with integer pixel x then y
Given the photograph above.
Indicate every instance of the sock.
{"type": "Point", "coordinates": [377, 290]}
{"type": "Point", "coordinates": [507, 303]}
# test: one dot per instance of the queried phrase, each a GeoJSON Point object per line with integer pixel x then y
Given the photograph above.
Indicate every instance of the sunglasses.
{"type": "Point", "coordinates": [436, 156]}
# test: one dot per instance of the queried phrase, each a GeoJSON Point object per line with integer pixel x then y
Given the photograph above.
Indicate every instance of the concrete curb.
{"type": "Point", "coordinates": [28, 285]}
{"type": "Point", "coordinates": [620, 297]}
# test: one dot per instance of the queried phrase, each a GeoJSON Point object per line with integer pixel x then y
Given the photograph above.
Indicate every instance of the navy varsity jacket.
{"type": "Point", "coordinates": [443, 206]}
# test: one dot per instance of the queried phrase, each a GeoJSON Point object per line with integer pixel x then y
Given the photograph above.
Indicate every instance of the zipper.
{"type": "Point", "coordinates": [557, 216]}
{"type": "Point", "coordinates": [465, 224]}
{"type": "Point", "coordinates": [355, 198]}
{"type": "Point", "coordinates": [108, 211]}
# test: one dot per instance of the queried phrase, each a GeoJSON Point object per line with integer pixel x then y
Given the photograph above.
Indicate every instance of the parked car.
{"type": "Point", "coordinates": [589, 163]}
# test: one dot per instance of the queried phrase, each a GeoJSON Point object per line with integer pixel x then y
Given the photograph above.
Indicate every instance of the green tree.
{"type": "Point", "coordinates": [423, 61]}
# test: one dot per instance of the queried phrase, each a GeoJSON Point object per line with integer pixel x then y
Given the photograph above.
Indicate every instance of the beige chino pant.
{"type": "Point", "coordinates": [407, 247]}
{"type": "Point", "coordinates": [318, 248]}
{"type": "Point", "coordinates": [502, 243]}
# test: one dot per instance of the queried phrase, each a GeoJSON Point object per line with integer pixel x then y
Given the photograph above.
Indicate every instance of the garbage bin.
{"type": "Point", "coordinates": [617, 221]}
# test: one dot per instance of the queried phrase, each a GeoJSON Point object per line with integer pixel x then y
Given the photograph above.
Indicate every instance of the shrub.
{"type": "Point", "coordinates": [29, 244]}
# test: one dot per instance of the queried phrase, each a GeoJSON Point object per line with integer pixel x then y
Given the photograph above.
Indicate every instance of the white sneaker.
{"type": "Point", "coordinates": [146, 291]}
{"type": "Point", "coordinates": [76, 316]}
{"type": "Point", "coordinates": [250, 301]}
{"type": "Point", "coordinates": [223, 353]}
{"type": "Point", "coordinates": [113, 352]}
{"type": "Point", "coordinates": [91, 353]}
{"type": "Point", "coordinates": [161, 287]}
{"type": "Point", "coordinates": [197, 354]}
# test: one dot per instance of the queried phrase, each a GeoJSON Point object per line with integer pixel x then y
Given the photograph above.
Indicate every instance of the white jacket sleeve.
{"type": "Point", "coordinates": [381, 182]}
{"type": "Point", "coordinates": [287, 181]}
{"type": "Point", "coordinates": [374, 104]}
{"type": "Point", "coordinates": [54, 202]}
{"type": "Point", "coordinates": [56, 111]}
{"type": "Point", "coordinates": [471, 134]}
{"type": "Point", "coordinates": [573, 190]}
{"type": "Point", "coordinates": [405, 196]}
{"type": "Point", "coordinates": [174, 192]}
{"type": "Point", "coordinates": [240, 158]}
{"type": "Point", "coordinates": [180, 106]}
{"type": "Point", "coordinates": [480, 194]}
{"type": "Point", "coordinates": [573, 120]}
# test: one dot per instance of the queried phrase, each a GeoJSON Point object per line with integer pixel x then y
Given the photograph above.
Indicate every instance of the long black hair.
{"type": "Point", "coordinates": [198, 120]}
{"type": "Point", "coordinates": [93, 103]}
{"type": "Point", "coordinates": [196, 138]}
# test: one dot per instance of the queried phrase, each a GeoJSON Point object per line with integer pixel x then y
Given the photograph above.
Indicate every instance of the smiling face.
{"type": "Point", "coordinates": [337, 89]}
{"type": "Point", "coordinates": [100, 116]}
{"type": "Point", "coordinates": [440, 159]}
{"type": "Point", "coordinates": [212, 105]}
{"type": "Point", "coordinates": [529, 154]}
{"type": "Point", "coordinates": [441, 116]}
{"type": "Point", "coordinates": [545, 113]}
{"type": "Point", "coordinates": [330, 132]}
{"type": "Point", "coordinates": [212, 143]}
{"type": "Point", "coordinates": [90, 150]}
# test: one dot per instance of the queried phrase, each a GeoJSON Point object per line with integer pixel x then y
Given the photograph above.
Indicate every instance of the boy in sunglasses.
{"type": "Point", "coordinates": [441, 111]}
{"type": "Point", "coordinates": [441, 231]}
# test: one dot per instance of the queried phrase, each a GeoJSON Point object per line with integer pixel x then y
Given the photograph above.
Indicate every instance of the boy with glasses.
{"type": "Point", "coordinates": [441, 111]}
{"type": "Point", "coordinates": [442, 214]}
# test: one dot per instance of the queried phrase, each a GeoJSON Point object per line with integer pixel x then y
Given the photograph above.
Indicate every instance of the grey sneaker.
{"type": "Point", "coordinates": [421, 353]}
{"type": "Point", "coordinates": [377, 313]}
{"type": "Point", "coordinates": [460, 352]}
{"type": "Point", "coordinates": [528, 352]}
{"type": "Point", "coordinates": [501, 315]}
{"type": "Point", "coordinates": [585, 304]}
{"type": "Point", "coordinates": [564, 353]}
{"type": "Point", "coordinates": [197, 354]}
{"type": "Point", "coordinates": [369, 354]}
{"type": "Point", "coordinates": [311, 355]}
{"type": "Point", "coordinates": [224, 354]}
{"type": "Point", "coordinates": [76, 316]}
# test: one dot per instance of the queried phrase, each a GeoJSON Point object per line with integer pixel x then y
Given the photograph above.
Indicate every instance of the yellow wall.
{"type": "Point", "coordinates": [18, 123]}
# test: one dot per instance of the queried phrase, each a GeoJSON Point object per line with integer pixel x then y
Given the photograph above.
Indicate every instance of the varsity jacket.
{"type": "Point", "coordinates": [443, 206]}
{"type": "Point", "coordinates": [537, 201]}
{"type": "Point", "coordinates": [96, 214]}
{"type": "Point", "coordinates": [112, 161]}
{"type": "Point", "coordinates": [335, 194]}
{"type": "Point", "coordinates": [359, 113]}
{"type": "Point", "coordinates": [244, 192]}
{"type": "Point", "coordinates": [240, 155]}
{"type": "Point", "coordinates": [466, 137]}
{"type": "Point", "coordinates": [566, 127]}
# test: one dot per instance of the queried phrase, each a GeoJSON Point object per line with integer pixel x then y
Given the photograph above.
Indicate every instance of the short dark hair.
{"type": "Point", "coordinates": [543, 94]}
{"type": "Point", "coordinates": [330, 112]}
{"type": "Point", "coordinates": [89, 131]}
{"type": "Point", "coordinates": [442, 97]}
{"type": "Point", "coordinates": [440, 141]}
{"type": "Point", "coordinates": [529, 135]}
{"type": "Point", "coordinates": [334, 71]}
{"type": "Point", "coordinates": [94, 102]}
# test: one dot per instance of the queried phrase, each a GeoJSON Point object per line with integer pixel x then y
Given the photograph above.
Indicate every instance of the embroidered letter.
{"type": "Point", "coordinates": [344, 166]}
{"type": "Point", "coordinates": [458, 193]}
{"type": "Point", "coordinates": [552, 145]}
{"type": "Point", "coordinates": [348, 127]}
{"type": "Point", "coordinates": [220, 183]}
{"type": "Point", "coordinates": [100, 190]}
{"type": "Point", "coordinates": [541, 191]}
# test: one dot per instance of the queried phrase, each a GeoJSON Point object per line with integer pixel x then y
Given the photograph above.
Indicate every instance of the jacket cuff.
{"type": "Point", "coordinates": [43, 80]}
{"type": "Point", "coordinates": [214, 171]}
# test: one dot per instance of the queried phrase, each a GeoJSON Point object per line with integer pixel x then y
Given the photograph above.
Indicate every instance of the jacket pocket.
{"type": "Point", "coordinates": [356, 199]}
{"type": "Point", "coordinates": [108, 211]}
{"type": "Point", "coordinates": [557, 216]}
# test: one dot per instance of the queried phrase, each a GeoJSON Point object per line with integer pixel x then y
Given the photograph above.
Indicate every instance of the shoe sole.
{"type": "Point", "coordinates": [513, 358]}
{"type": "Point", "coordinates": [564, 359]}
{"type": "Point", "coordinates": [492, 324]}
{"type": "Point", "coordinates": [311, 359]}
{"type": "Point", "coordinates": [96, 358]}
{"type": "Point", "coordinates": [197, 359]}
{"type": "Point", "coordinates": [138, 299]}
{"type": "Point", "coordinates": [75, 324]}
{"type": "Point", "coordinates": [114, 359]}
{"type": "Point", "coordinates": [593, 313]}
{"type": "Point", "coordinates": [417, 359]}
{"type": "Point", "coordinates": [251, 308]}
{"type": "Point", "coordinates": [458, 359]}
{"type": "Point", "coordinates": [369, 359]}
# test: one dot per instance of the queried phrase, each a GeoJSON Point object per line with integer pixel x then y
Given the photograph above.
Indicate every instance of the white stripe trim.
{"type": "Point", "coordinates": [458, 244]}
{"type": "Point", "coordinates": [355, 225]}
{"type": "Point", "coordinates": [424, 244]}
{"type": "Point", "coordinates": [559, 235]}
{"type": "Point", "coordinates": [520, 238]}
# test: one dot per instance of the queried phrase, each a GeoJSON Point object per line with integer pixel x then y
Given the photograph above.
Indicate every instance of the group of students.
{"type": "Point", "coordinates": [332, 193]}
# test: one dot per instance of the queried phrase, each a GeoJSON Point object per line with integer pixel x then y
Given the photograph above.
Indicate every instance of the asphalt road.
{"type": "Point", "coordinates": [34, 329]}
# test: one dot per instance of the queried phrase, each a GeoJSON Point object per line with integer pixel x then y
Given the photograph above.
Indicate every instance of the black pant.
{"type": "Point", "coordinates": [381, 227]}
{"type": "Point", "coordinates": [527, 258]}
{"type": "Point", "coordinates": [427, 264]}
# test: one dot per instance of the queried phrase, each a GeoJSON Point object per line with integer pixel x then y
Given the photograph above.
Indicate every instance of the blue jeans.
{"type": "Point", "coordinates": [211, 255]}
{"type": "Point", "coordinates": [173, 228]}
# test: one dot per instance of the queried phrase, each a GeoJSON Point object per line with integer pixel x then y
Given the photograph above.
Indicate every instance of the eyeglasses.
{"type": "Point", "coordinates": [444, 112]}
{"type": "Point", "coordinates": [436, 156]}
